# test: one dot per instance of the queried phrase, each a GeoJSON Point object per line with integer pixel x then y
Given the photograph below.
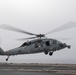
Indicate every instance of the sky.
{"type": "Point", "coordinates": [38, 16]}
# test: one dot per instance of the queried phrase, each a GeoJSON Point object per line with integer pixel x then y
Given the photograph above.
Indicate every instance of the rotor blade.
{"type": "Point", "coordinates": [63, 27]}
{"type": "Point", "coordinates": [4, 26]}
{"type": "Point", "coordinates": [64, 38]}
{"type": "Point", "coordinates": [26, 38]}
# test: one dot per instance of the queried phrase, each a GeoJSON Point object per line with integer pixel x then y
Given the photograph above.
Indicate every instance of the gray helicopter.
{"type": "Point", "coordinates": [39, 43]}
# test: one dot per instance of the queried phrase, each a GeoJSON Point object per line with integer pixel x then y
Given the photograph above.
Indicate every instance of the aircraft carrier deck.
{"type": "Point", "coordinates": [37, 69]}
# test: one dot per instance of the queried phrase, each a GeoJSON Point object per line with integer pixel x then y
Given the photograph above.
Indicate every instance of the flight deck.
{"type": "Point", "coordinates": [37, 69]}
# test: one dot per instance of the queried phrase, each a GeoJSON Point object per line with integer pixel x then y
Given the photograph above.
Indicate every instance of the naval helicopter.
{"type": "Point", "coordinates": [37, 44]}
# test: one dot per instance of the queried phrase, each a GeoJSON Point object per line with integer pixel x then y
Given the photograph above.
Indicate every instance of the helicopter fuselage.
{"type": "Point", "coordinates": [37, 46]}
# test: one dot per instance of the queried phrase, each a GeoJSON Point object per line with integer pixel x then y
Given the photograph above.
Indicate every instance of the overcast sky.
{"type": "Point", "coordinates": [38, 16]}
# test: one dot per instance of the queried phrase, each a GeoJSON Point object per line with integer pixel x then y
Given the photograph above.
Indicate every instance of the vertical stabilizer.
{"type": "Point", "coordinates": [1, 51]}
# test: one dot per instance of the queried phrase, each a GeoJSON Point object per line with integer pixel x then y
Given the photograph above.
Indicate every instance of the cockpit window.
{"type": "Point", "coordinates": [24, 44]}
{"type": "Point", "coordinates": [54, 41]}
{"type": "Point", "coordinates": [59, 42]}
{"type": "Point", "coordinates": [38, 45]}
{"type": "Point", "coordinates": [47, 43]}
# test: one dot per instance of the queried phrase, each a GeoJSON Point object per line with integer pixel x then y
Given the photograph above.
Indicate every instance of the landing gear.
{"type": "Point", "coordinates": [51, 53]}
{"type": "Point", "coordinates": [46, 52]}
{"type": "Point", "coordinates": [7, 58]}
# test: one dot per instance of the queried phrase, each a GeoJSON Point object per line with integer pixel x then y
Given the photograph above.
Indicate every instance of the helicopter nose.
{"type": "Point", "coordinates": [64, 45]}
{"type": "Point", "coordinates": [68, 46]}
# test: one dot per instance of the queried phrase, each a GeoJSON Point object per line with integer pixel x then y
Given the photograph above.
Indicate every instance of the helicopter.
{"type": "Point", "coordinates": [37, 44]}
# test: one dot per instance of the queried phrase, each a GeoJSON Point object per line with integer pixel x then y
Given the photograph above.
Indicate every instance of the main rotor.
{"type": "Point", "coordinates": [61, 28]}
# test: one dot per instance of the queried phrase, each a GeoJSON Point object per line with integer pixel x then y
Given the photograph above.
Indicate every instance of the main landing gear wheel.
{"type": "Point", "coordinates": [46, 52]}
{"type": "Point", "coordinates": [51, 53]}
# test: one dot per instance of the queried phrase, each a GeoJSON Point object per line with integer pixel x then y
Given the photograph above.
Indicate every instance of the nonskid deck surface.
{"type": "Point", "coordinates": [39, 69]}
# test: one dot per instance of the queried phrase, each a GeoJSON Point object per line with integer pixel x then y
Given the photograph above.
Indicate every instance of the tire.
{"type": "Point", "coordinates": [51, 53]}
{"type": "Point", "coordinates": [46, 52]}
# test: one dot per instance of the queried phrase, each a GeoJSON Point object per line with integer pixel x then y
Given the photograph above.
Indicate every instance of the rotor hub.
{"type": "Point", "coordinates": [40, 35]}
